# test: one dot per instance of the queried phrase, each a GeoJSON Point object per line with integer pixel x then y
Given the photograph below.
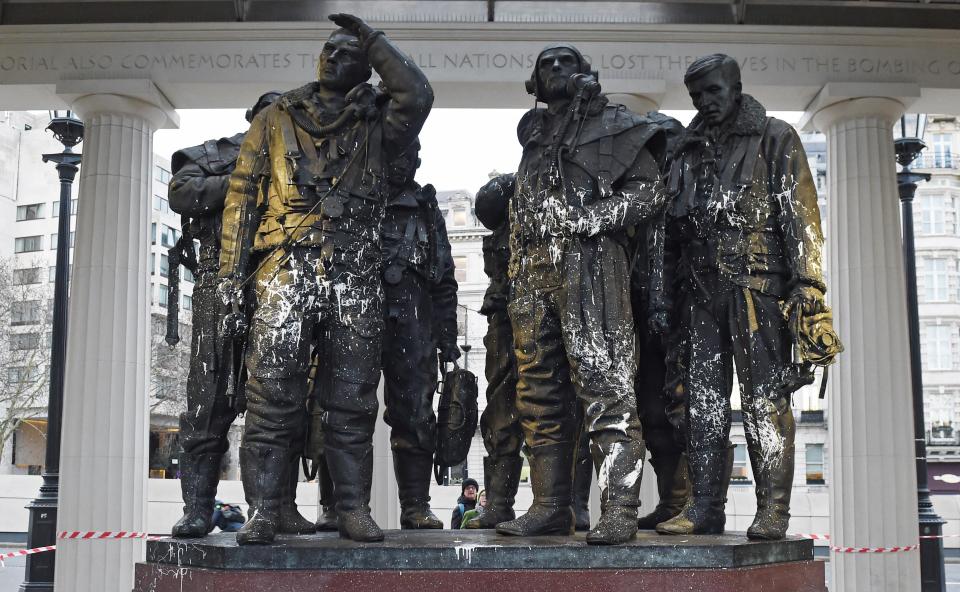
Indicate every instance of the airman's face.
{"type": "Point", "coordinates": [715, 96]}
{"type": "Point", "coordinates": [343, 64]}
{"type": "Point", "coordinates": [554, 69]}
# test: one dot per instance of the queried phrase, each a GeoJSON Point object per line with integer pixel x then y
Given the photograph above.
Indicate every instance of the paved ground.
{"type": "Point", "coordinates": [12, 574]}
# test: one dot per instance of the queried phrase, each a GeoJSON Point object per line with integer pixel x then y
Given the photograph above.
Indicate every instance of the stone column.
{"type": "Point", "coordinates": [105, 430]}
{"type": "Point", "coordinates": [873, 491]}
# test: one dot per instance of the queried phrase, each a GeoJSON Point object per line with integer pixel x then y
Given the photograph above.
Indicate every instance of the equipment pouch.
{"type": "Point", "coordinates": [456, 419]}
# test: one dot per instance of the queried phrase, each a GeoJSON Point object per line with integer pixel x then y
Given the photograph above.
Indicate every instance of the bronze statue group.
{"type": "Point", "coordinates": [633, 265]}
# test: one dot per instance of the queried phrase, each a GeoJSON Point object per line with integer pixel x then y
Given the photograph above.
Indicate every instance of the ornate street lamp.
{"type": "Point", "coordinates": [43, 510]}
{"type": "Point", "coordinates": [908, 143]}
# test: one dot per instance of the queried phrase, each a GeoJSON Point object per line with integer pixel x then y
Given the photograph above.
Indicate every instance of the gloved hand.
{"type": "Point", "coordinates": [354, 24]}
{"type": "Point", "coordinates": [807, 300]}
{"type": "Point", "coordinates": [447, 354]}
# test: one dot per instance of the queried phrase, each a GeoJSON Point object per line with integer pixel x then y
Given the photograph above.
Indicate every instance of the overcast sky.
{"type": "Point", "coordinates": [459, 146]}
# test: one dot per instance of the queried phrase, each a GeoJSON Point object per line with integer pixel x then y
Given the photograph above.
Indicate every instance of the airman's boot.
{"type": "Point", "coordinates": [199, 476]}
{"type": "Point", "coordinates": [291, 521]}
{"type": "Point", "coordinates": [352, 473]}
{"type": "Point", "coordinates": [413, 470]}
{"type": "Point", "coordinates": [621, 469]}
{"type": "Point", "coordinates": [551, 477]}
{"type": "Point", "coordinates": [327, 519]}
{"type": "Point", "coordinates": [705, 512]}
{"type": "Point", "coordinates": [582, 480]}
{"type": "Point", "coordinates": [673, 485]}
{"type": "Point", "coordinates": [773, 473]}
{"type": "Point", "coordinates": [501, 478]}
{"type": "Point", "coordinates": [264, 472]}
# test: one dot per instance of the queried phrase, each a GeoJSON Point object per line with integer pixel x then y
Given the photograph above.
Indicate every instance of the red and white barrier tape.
{"type": "Point", "coordinates": [899, 549]}
{"type": "Point", "coordinates": [81, 535]}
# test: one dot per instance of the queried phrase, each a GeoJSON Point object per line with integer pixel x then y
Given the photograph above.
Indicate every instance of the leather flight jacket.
{"type": "Point", "coordinates": [312, 176]}
{"type": "Point", "coordinates": [745, 206]}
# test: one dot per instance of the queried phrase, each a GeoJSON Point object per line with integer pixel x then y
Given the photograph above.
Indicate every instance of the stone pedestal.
{"type": "Point", "coordinates": [873, 490]}
{"type": "Point", "coordinates": [104, 438]}
{"type": "Point", "coordinates": [441, 561]}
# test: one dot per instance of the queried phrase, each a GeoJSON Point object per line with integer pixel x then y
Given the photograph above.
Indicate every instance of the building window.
{"type": "Point", "coordinates": [162, 175]}
{"type": "Point", "coordinates": [29, 212]}
{"type": "Point", "coordinates": [937, 353]}
{"type": "Point", "coordinates": [935, 280]}
{"type": "Point", "coordinates": [161, 204]}
{"type": "Point", "coordinates": [164, 266]}
{"type": "Point", "coordinates": [25, 312]}
{"type": "Point", "coordinates": [56, 208]}
{"type": "Point", "coordinates": [168, 236]}
{"type": "Point", "coordinates": [460, 268]}
{"type": "Point", "coordinates": [934, 214]}
{"type": "Point", "coordinates": [23, 374]}
{"type": "Point", "coordinates": [740, 473]}
{"type": "Point", "coordinates": [28, 244]}
{"type": "Point", "coordinates": [54, 240]}
{"type": "Point", "coordinates": [164, 291]}
{"type": "Point", "coordinates": [23, 341]}
{"type": "Point", "coordinates": [942, 157]}
{"type": "Point", "coordinates": [30, 275]}
{"type": "Point", "coordinates": [187, 302]}
{"type": "Point", "coordinates": [153, 233]}
{"type": "Point", "coordinates": [459, 216]}
{"type": "Point", "coordinates": [815, 464]}
{"type": "Point", "coordinates": [187, 275]}
{"type": "Point", "coordinates": [942, 433]}
{"type": "Point", "coordinates": [52, 274]}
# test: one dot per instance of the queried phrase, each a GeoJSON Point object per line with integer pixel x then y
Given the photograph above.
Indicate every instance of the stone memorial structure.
{"type": "Point", "coordinates": [126, 81]}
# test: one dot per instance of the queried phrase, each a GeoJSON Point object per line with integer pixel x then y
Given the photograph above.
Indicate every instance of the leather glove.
{"type": "Point", "coordinates": [447, 354]}
{"type": "Point", "coordinates": [807, 300]}
{"type": "Point", "coordinates": [354, 24]}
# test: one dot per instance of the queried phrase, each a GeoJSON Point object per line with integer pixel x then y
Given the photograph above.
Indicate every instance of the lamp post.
{"type": "Point", "coordinates": [908, 144]}
{"type": "Point", "coordinates": [43, 510]}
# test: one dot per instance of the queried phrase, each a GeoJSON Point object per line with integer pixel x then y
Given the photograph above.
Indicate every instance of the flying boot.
{"type": "Point", "coordinates": [351, 468]}
{"type": "Point", "coordinates": [291, 521]}
{"type": "Point", "coordinates": [199, 476]}
{"type": "Point", "coordinates": [501, 478]}
{"type": "Point", "coordinates": [264, 472]}
{"type": "Point", "coordinates": [621, 469]}
{"type": "Point", "coordinates": [673, 485]}
{"type": "Point", "coordinates": [773, 474]}
{"type": "Point", "coordinates": [551, 472]}
{"type": "Point", "coordinates": [327, 520]}
{"type": "Point", "coordinates": [413, 469]}
{"type": "Point", "coordinates": [709, 475]}
{"type": "Point", "coordinates": [582, 480]}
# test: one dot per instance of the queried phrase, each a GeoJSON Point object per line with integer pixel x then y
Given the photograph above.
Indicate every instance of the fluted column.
{"type": "Point", "coordinates": [105, 428]}
{"type": "Point", "coordinates": [873, 492]}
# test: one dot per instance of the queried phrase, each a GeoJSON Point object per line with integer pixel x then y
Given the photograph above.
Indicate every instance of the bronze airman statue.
{"type": "Point", "coordinates": [301, 229]}
{"type": "Point", "coordinates": [589, 171]}
{"type": "Point", "coordinates": [197, 192]}
{"type": "Point", "coordinates": [744, 238]}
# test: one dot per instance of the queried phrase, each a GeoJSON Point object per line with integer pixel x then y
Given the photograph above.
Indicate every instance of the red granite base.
{"type": "Point", "coordinates": [795, 576]}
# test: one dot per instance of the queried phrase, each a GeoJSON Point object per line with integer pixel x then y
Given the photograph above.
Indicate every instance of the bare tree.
{"type": "Point", "coordinates": [25, 328]}
{"type": "Point", "coordinates": [169, 366]}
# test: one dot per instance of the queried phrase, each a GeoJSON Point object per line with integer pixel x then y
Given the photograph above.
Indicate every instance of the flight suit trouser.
{"type": "Point", "coordinates": [410, 366]}
{"type": "Point", "coordinates": [209, 415]}
{"type": "Point", "coordinates": [300, 301]}
{"type": "Point", "coordinates": [564, 364]}
{"type": "Point", "coordinates": [742, 327]}
{"type": "Point", "coordinates": [499, 422]}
